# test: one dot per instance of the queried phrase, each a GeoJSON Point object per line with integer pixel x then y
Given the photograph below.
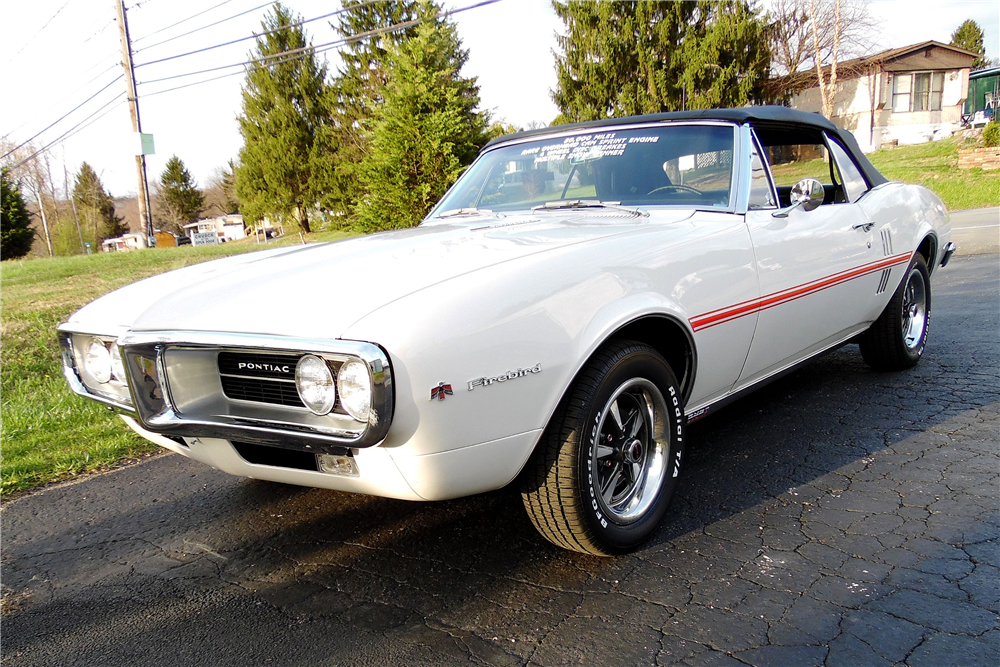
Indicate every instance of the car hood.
{"type": "Point", "coordinates": [319, 290]}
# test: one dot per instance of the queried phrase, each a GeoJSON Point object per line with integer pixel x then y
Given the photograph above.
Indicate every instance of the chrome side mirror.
{"type": "Point", "coordinates": [807, 193]}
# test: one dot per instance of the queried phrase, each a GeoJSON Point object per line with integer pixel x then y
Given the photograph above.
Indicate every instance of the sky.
{"type": "Point", "coordinates": [55, 54]}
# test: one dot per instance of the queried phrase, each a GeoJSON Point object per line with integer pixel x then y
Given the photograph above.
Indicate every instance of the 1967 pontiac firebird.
{"type": "Point", "coordinates": [576, 298]}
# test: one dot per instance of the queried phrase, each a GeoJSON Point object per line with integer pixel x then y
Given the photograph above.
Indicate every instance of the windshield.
{"type": "Point", "coordinates": [669, 165]}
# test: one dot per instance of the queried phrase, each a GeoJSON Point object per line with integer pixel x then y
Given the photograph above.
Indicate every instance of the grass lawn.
{"type": "Point", "coordinates": [48, 433]}
{"type": "Point", "coordinates": [933, 165]}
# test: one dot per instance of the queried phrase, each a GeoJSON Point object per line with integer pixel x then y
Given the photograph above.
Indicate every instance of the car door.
{"type": "Point", "coordinates": [819, 270]}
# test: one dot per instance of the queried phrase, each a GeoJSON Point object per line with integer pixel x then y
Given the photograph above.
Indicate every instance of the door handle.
{"type": "Point", "coordinates": [863, 226]}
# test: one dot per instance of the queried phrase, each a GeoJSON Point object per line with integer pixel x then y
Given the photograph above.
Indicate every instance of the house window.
{"type": "Point", "coordinates": [917, 92]}
{"type": "Point", "coordinates": [937, 87]}
{"type": "Point", "coordinates": [901, 92]}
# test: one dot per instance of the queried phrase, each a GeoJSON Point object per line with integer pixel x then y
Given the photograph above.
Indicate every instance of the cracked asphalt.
{"type": "Point", "coordinates": [836, 517]}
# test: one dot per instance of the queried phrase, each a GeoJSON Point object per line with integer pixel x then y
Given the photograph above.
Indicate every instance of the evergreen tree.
{"type": "Point", "coordinates": [622, 58]}
{"type": "Point", "coordinates": [96, 208]}
{"type": "Point", "coordinates": [969, 36]}
{"type": "Point", "coordinates": [178, 194]}
{"type": "Point", "coordinates": [426, 130]}
{"type": "Point", "coordinates": [353, 98]}
{"type": "Point", "coordinates": [282, 113]}
{"type": "Point", "coordinates": [231, 202]}
{"type": "Point", "coordinates": [16, 234]}
{"type": "Point", "coordinates": [728, 64]}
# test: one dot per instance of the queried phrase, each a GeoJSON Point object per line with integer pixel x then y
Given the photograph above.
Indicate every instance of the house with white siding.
{"type": "Point", "coordinates": [908, 95]}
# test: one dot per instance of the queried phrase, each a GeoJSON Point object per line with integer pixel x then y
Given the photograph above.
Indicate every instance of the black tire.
{"type": "Point", "coordinates": [594, 440]}
{"type": "Point", "coordinates": [896, 340]}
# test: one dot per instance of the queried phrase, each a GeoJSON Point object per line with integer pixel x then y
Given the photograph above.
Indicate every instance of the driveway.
{"type": "Point", "coordinates": [836, 517]}
{"type": "Point", "coordinates": [976, 231]}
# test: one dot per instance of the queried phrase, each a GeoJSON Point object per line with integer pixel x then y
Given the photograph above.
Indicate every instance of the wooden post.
{"type": "Point", "coordinates": [145, 209]}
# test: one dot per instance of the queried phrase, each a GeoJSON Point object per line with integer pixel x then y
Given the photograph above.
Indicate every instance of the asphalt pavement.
{"type": "Point", "coordinates": [976, 231]}
{"type": "Point", "coordinates": [837, 517]}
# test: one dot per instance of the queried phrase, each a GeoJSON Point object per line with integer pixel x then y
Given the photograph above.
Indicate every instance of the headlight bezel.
{"type": "Point", "coordinates": [114, 392]}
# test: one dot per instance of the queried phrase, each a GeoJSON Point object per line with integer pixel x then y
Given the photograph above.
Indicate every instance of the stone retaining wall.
{"type": "Point", "coordinates": [979, 158]}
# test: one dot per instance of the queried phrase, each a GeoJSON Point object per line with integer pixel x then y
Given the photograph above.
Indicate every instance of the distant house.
{"type": "Point", "coordinates": [908, 95]}
{"type": "Point", "coordinates": [984, 96]}
{"type": "Point", "coordinates": [123, 243]}
{"type": "Point", "coordinates": [225, 227]}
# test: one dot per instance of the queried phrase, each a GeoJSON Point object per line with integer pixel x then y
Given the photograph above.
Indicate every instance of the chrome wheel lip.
{"type": "Point", "coordinates": [632, 493]}
{"type": "Point", "coordinates": [914, 306]}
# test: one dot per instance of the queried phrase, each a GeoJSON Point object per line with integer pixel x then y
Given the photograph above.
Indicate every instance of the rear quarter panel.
{"type": "Point", "coordinates": [910, 213]}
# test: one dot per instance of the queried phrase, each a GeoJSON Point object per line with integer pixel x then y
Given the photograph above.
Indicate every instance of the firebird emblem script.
{"type": "Point", "coordinates": [440, 391]}
{"type": "Point", "coordinates": [509, 375]}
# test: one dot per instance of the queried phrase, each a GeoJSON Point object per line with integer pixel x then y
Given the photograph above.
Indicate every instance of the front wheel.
{"type": "Point", "coordinates": [897, 338]}
{"type": "Point", "coordinates": [606, 467]}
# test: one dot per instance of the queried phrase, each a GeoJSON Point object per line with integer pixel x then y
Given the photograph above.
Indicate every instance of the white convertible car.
{"type": "Point", "coordinates": [577, 297]}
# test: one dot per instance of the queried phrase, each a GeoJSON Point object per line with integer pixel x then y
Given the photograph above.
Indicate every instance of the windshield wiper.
{"type": "Point", "coordinates": [458, 212]}
{"type": "Point", "coordinates": [585, 203]}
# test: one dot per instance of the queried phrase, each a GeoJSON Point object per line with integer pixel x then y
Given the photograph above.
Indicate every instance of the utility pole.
{"type": "Point", "coordinates": [145, 210]}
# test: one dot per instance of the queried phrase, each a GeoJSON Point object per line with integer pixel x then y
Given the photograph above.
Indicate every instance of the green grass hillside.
{"type": "Point", "coordinates": [935, 166]}
{"type": "Point", "coordinates": [48, 433]}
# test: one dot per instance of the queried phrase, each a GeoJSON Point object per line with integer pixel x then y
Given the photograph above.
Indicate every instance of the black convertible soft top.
{"type": "Point", "coordinates": [769, 119]}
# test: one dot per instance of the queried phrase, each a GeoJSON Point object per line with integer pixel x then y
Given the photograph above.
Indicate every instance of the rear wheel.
{"type": "Point", "coordinates": [605, 469]}
{"type": "Point", "coordinates": [897, 338]}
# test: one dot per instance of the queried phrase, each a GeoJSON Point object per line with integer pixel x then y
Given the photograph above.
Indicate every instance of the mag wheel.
{"type": "Point", "coordinates": [897, 338]}
{"type": "Point", "coordinates": [603, 474]}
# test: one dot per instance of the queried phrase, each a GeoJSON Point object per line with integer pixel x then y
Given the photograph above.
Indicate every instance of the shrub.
{"type": "Point", "coordinates": [991, 134]}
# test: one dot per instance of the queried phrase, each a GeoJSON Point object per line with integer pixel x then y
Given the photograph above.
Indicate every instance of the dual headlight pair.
{"type": "Point", "coordinates": [318, 389]}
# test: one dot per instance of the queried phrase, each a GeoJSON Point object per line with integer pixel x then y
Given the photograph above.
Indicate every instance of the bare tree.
{"type": "Point", "coordinates": [826, 90]}
{"type": "Point", "coordinates": [807, 35]}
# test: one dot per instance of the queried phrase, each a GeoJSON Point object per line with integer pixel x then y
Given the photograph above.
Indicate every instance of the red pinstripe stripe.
{"type": "Point", "coordinates": [735, 311]}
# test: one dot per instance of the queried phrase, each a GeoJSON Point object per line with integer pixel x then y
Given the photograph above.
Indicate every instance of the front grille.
{"type": "Point", "coordinates": [264, 378]}
{"type": "Point", "coordinates": [261, 391]}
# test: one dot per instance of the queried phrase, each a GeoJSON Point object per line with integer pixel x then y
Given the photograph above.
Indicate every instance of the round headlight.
{"type": "Point", "coordinates": [315, 385]}
{"type": "Point", "coordinates": [117, 367]}
{"type": "Point", "coordinates": [355, 388]}
{"type": "Point", "coordinates": [98, 360]}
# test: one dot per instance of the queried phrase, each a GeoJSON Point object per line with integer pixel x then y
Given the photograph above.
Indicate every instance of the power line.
{"type": "Point", "coordinates": [65, 135]}
{"type": "Point", "coordinates": [100, 30]}
{"type": "Point", "coordinates": [204, 11]}
{"type": "Point", "coordinates": [243, 39]}
{"type": "Point", "coordinates": [266, 61]}
{"type": "Point", "coordinates": [74, 92]}
{"type": "Point", "coordinates": [185, 34]}
{"type": "Point", "coordinates": [63, 117]}
{"type": "Point", "coordinates": [28, 43]}
{"type": "Point", "coordinates": [319, 48]}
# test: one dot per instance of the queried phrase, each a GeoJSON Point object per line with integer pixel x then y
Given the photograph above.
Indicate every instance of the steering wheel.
{"type": "Point", "coordinates": [682, 188]}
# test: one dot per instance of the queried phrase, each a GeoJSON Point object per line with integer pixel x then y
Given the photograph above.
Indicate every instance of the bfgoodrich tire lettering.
{"type": "Point", "coordinates": [896, 340]}
{"type": "Point", "coordinates": [603, 474]}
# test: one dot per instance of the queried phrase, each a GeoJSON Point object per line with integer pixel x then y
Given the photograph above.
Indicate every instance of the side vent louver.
{"type": "Point", "coordinates": [884, 280]}
{"type": "Point", "coordinates": [887, 241]}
